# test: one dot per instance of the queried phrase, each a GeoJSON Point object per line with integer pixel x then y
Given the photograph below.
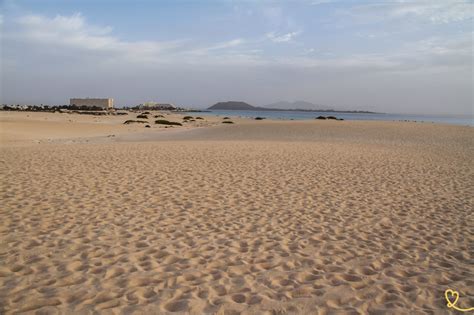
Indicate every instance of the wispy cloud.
{"type": "Point", "coordinates": [227, 44]}
{"type": "Point", "coordinates": [443, 11]}
{"type": "Point", "coordinates": [319, 2]}
{"type": "Point", "coordinates": [374, 34]}
{"type": "Point", "coordinates": [226, 51]}
{"type": "Point", "coordinates": [432, 11]}
{"type": "Point", "coordinates": [283, 38]}
{"type": "Point", "coordinates": [73, 32]}
{"type": "Point", "coordinates": [72, 35]}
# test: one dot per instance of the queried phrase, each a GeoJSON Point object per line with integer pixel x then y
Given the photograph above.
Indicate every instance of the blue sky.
{"type": "Point", "coordinates": [391, 56]}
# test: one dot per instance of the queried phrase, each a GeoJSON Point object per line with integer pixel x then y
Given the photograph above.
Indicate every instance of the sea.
{"type": "Point", "coordinates": [305, 115]}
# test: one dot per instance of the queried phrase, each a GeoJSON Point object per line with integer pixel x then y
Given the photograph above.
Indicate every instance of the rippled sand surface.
{"type": "Point", "coordinates": [255, 218]}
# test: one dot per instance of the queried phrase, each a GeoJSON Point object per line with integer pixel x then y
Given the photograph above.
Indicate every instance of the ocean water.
{"type": "Point", "coordinates": [303, 115]}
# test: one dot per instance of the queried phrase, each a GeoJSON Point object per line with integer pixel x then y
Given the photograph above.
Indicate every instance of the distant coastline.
{"type": "Point", "coordinates": [316, 110]}
{"type": "Point", "coordinates": [233, 105]}
{"type": "Point", "coordinates": [260, 109]}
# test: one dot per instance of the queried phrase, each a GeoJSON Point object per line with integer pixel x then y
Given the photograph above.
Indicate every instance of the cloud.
{"type": "Point", "coordinates": [231, 51]}
{"type": "Point", "coordinates": [71, 36]}
{"type": "Point", "coordinates": [432, 11]}
{"type": "Point", "coordinates": [319, 2]}
{"type": "Point", "coordinates": [374, 34]}
{"type": "Point", "coordinates": [444, 11]}
{"type": "Point", "coordinates": [282, 38]}
{"type": "Point", "coordinates": [66, 36]}
{"type": "Point", "coordinates": [429, 54]}
{"type": "Point", "coordinates": [226, 44]}
{"type": "Point", "coordinates": [73, 33]}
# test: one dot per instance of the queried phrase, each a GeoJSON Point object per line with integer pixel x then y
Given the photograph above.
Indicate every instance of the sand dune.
{"type": "Point", "coordinates": [26, 128]}
{"type": "Point", "coordinates": [363, 218]}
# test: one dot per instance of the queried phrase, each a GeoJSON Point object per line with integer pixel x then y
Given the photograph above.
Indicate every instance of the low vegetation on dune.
{"type": "Point", "coordinates": [143, 116]}
{"type": "Point", "coordinates": [127, 122]}
{"type": "Point", "coordinates": [226, 118]}
{"type": "Point", "coordinates": [199, 118]}
{"type": "Point", "coordinates": [259, 118]}
{"type": "Point", "coordinates": [167, 122]}
{"type": "Point", "coordinates": [328, 117]}
{"type": "Point", "coordinates": [159, 116]}
{"type": "Point", "coordinates": [188, 119]}
{"type": "Point", "coordinates": [227, 122]}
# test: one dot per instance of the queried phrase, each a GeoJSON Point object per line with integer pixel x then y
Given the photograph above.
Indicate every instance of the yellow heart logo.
{"type": "Point", "coordinates": [452, 297]}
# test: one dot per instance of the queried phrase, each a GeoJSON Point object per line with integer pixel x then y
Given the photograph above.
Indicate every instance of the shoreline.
{"type": "Point", "coordinates": [457, 120]}
{"type": "Point", "coordinates": [21, 128]}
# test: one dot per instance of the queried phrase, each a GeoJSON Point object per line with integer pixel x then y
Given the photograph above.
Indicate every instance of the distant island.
{"type": "Point", "coordinates": [238, 105]}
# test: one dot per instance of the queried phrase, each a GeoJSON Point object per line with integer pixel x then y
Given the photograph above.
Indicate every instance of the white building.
{"type": "Point", "coordinates": [157, 106]}
{"type": "Point", "coordinates": [104, 103]}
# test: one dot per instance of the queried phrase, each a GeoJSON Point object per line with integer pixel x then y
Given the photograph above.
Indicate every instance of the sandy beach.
{"type": "Point", "coordinates": [258, 217]}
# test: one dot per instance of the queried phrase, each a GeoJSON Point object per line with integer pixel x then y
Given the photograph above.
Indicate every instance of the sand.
{"type": "Point", "coordinates": [25, 128]}
{"type": "Point", "coordinates": [260, 217]}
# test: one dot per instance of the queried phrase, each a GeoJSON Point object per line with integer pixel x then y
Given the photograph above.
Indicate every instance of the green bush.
{"type": "Point", "coordinates": [135, 121]}
{"type": "Point", "coordinates": [167, 122]}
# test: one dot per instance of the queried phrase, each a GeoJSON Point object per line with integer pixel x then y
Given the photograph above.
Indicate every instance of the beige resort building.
{"type": "Point", "coordinates": [104, 103]}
